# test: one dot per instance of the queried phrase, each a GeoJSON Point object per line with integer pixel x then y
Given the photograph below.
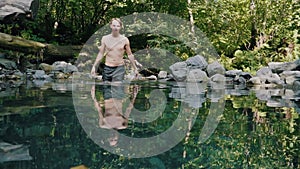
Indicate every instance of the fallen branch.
{"type": "Point", "coordinates": [48, 51]}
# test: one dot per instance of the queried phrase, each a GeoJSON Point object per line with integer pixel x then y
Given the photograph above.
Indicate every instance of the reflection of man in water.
{"type": "Point", "coordinates": [114, 103]}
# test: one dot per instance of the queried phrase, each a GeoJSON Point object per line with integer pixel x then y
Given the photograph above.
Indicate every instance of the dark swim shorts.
{"type": "Point", "coordinates": [115, 73]}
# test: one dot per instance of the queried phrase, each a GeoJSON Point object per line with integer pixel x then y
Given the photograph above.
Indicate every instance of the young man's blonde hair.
{"type": "Point", "coordinates": [118, 20]}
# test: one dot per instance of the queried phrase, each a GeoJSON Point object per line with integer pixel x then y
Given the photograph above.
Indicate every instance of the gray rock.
{"type": "Point", "coordinates": [18, 9]}
{"type": "Point", "coordinates": [18, 75]}
{"type": "Point", "coordinates": [290, 76]}
{"type": "Point", "coordinates": [233, 73]}
{"type": "Point", "coordinates": [297, 64]}
{"type": "Point", "coordinates": [291, 79]}
{"type": "Point", "coordinates": [229, 80]}
{"type": "Point", "coordinates": [162, 74]}
{"type": "Point", "coordinates": [197, 75]}
{"type": "Point", "coordinates": [255, 80]}
{"type": "Point", "coordinates": [46, 67]}
{"type": "Point", "coordinates": [246, 75]}
{"type": "Point", "coordinates": [39, 74]}
{"type": "Point", "coordinates": [279, 67]}
{"type": "Point", "coordinates": [264, 71]}
{"type": "Point", "coordinates": [285, 74]}
{"type": "Point", "coordinates": [275, 79]}
{"type": "Point", "coordinates": [215, 68]}
{"type": "Point", "coordinates": [296, 86]}
{"type": "Point", "coordinates": [179, 71]}
{"type": "Point", "coordinates": [61, 66]}
{"type": "Point", "coordinates": [197, 62]}
{"type": "Point", "coordinates": [8, 64]}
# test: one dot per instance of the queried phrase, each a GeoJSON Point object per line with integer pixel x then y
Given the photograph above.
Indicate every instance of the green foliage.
{"type": "Point", "coordinates": [252, 37]}
{"type": "Point", "coordinates": [245, 35]}
{"type": "Point", "coordinates": [171, 45]}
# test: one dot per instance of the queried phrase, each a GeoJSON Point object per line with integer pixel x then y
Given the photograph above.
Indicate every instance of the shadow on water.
{"type": "Point", "coordinates": [39, 127]}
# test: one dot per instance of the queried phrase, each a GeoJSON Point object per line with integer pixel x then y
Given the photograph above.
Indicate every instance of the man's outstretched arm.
{"type": "Point", "coordinates": [98, 58]}
{"type": "Point", "coordinates": [131, 56]}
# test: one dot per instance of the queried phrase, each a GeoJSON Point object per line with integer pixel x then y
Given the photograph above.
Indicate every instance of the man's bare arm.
{"type": "Point", "coordinates": [130, 55]}
{"type": "Point", "coordinates": [98, 58]}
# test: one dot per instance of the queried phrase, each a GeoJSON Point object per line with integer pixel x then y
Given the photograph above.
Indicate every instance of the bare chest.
{"type": "Point", "coordinates": [115, 45]}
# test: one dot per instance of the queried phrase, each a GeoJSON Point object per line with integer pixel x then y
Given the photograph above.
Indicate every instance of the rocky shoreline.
{"type": "Point", "coordinates": [275, 75]}
{"type": "Point", "coordinates": [194, 81]}
{"type": "Point", "coordinates": [194, 69]}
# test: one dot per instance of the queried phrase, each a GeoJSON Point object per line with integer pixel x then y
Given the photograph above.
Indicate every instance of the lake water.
{"type": "Point", "coordinates": [163, 125]}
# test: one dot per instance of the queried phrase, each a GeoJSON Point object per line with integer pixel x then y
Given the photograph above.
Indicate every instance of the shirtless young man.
{"type": "Point", "coordinates": [113, 47]}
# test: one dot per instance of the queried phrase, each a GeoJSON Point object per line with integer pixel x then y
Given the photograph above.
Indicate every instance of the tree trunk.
{"type": "Point", "coordinates": [192, 27]}
{"type": "Point", "coordinates": [48, 51]}
{"type": "Point", "coordinates": [253, 26]}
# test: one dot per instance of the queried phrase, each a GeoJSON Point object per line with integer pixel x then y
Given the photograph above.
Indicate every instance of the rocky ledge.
{"type": "Point", "coordinates": [275, 75]}
{"type": "Point", "coordinates": [194, 69]}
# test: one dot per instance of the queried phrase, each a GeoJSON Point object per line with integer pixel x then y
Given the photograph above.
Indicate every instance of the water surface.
{"type": "Point", "coordinates": [258, 128]}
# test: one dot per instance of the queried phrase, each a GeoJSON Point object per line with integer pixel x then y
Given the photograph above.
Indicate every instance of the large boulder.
{"type": "Point", "coordinates": [290, 77]}
{"type": "Point", "coordinates": [39, 74]}
{"type": "Point", "coordinates": [279, 67]}
{"type": "Point", "coordinates": [196, 62]}
{"type": "Point", "coordinates": [266, 79]}
{"type": "Point", "coordinates": [7, 64]}
{"type": "Point", "coordinates": [12, 9]}
{"type": "Point", "coordinates": [179, 71]}
{"type": "Point", "coordinates": [46, 67]}
{"type": "Point", "coordinates": [264, 71]}
{"type": "Point", "coordinates": [290, 80]}
{"type": "Point", "coordinates": [215, 68]}
{"type": "Point", "coordinates": [233, 73]}
{"type": "Point", "coordinates": [255, 80]}
{"type": "Point", "coordinates": [246, 75]}
{"type": "Point", "coordinates": [275, 79]}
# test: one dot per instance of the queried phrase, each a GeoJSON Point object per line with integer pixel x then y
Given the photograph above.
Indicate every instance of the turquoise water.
{"type": "Point", "coordinates": [45, 126]}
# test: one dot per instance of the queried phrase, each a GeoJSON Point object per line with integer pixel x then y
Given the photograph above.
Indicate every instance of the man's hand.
{"type": "Point", "coordinates": [93, 71]}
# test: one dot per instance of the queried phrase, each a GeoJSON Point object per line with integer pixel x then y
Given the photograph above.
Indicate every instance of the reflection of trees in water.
{"type": "Point", "coordinates": [56, 137]}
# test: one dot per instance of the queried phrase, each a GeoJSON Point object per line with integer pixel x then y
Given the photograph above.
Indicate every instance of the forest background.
{"type": "Point", "coordinates": [247, 34]}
